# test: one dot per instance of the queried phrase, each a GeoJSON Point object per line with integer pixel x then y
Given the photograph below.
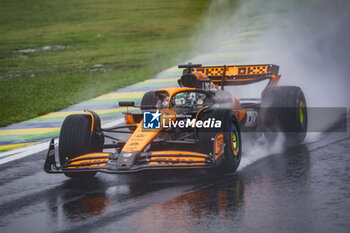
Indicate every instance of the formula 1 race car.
{"type": "Point", "coordinates": [195, 126]}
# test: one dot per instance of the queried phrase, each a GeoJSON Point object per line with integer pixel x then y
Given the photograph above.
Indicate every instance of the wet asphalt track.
{"type": "Point", "coordinates": [303, 189]}
{"type": "Point", "coordinates": [306, 188]}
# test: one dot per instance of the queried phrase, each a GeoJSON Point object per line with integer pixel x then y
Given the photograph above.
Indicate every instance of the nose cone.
{"type": "Point", "coordinates": [126, 160]}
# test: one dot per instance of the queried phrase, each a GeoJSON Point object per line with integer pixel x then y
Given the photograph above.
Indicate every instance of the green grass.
{"type": "Point", "coordinates": [132, 39]}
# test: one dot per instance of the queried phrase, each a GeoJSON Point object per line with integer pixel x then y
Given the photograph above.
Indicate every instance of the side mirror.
{"type": "Point", "coordinates": [126, 104]}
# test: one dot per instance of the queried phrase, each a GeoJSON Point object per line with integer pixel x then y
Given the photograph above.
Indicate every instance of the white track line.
{"type": "Point", "coordinates": [113, 123]}
{"type": "Point", "coordinates": [15, 151]}
{"type": "Point", "coordinates": [27, 151]}
{"type": "Point", "coordinates": [30, 150]}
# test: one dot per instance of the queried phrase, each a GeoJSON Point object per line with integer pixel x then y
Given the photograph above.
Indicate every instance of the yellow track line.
{"type": "Point", "coordinates": [16, 146]}
{"type": "Point", "coordinates": [100, 112]}
{"type": "Point", "coordinates": [159, 80]}
{"type": "Point", "coordinates": [250, 33]}
{"type": "Point", "coordinates": [8, 132]}
{"type": "Point", "coordinates": [121, 95]}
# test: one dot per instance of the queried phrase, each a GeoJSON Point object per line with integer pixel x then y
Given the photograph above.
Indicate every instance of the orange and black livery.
{"type": "Point", "coordinates": [197, 125]}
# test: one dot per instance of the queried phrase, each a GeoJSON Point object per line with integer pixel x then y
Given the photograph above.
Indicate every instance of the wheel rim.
{"type": "Point", "coordinates": [302, 114]}
{"type": "Point", "coordinates": [235, 140]}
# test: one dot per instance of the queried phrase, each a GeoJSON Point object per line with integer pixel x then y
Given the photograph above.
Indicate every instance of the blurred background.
{"type": "Point", "coordinates": [57, 53]}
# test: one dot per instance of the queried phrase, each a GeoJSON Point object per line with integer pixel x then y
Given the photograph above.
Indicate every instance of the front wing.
{"type": "Point", "coordinates": [128, 162]}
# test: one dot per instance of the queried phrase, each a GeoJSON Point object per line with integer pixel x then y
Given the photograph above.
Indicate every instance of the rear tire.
{"type": "Point", "coordinates": [77, 139]}
{"type": "Point", "coordinates": [231, 135]}
{"type": "Point", "coordinates": [283, 109]}
{"type": "Point", "coordinates": [149, 101]}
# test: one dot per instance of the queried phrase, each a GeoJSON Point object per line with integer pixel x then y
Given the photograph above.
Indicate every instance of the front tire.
{"type": "Point", "coordinates": [77, 139]}
{"type": "Point", "coordinates": [149, 101]}
{"type": "Point", "coordinates": [229, 160]}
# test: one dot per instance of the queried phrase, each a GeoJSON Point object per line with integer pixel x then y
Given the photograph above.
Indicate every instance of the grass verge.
{"type": "Point", "coordinates": [57, 53]}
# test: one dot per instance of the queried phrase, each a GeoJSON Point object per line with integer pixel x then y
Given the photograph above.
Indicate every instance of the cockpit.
{"type": "Point", "coordinates": [183, 99]}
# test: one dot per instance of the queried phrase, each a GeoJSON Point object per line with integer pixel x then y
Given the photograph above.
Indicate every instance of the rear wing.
{"type": "Point", "coordinates": [228, 75]}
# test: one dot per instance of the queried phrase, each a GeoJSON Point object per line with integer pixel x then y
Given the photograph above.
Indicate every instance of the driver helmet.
{"type": "Point", "coordinates": [182, 100]}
